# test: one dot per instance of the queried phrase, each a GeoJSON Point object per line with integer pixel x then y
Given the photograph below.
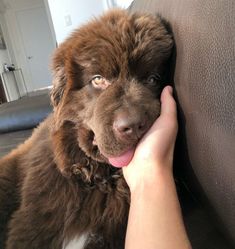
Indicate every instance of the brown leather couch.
{"type": "Point", "coordinates": [204, 82]}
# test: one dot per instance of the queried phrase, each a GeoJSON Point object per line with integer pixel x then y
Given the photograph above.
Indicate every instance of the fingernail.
{"type": "Point", "coordinates": [170, 89]}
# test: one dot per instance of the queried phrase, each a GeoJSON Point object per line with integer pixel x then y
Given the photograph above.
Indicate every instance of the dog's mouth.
{"type": "Point", "coordinates": [119, 149]}
{"type": "Point", "coordinates": [119, 161]}
{"type": "Point", "coordinates": [122, 160]}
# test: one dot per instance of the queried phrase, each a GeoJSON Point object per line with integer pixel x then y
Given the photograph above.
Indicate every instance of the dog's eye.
{"type": "Point", "coordinates": [98, 80]}
{"type": "Point", "coordinates": [153, 79]}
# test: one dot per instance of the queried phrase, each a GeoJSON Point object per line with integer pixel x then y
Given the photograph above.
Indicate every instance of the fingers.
{"type": "Point", "coordinates": [168, 103]}
{"type": "Point", "coordinates": [168, 117]}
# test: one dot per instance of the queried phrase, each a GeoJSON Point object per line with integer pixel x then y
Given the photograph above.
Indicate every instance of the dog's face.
{"type": "Point", "coordinates": [107, 82]}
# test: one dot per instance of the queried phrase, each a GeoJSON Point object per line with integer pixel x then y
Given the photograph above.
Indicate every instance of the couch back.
{"type": "Point", "coordinates": [204, 81]}
{"type": "Point", "coordinates": [25, 113]}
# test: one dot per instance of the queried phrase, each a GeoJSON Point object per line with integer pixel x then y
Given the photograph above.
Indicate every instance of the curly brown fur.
{"type": "Point", "coordinates": [59, 184]}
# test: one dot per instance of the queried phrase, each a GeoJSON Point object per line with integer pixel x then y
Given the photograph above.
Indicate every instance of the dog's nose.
{"type": "Point", "coordinates": [127, 126]}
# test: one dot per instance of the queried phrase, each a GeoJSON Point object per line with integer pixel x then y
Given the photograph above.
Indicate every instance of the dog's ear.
{"type": "Point", "coordinates": [67, 73]}
{"type": "Point", "coordinates": [59, 76]}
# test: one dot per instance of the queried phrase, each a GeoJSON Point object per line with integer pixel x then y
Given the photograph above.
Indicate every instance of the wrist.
{"type": "Point", "coordinates": [156, 180]}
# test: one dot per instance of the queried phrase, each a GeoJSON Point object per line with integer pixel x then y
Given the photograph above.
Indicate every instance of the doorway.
{"type": "Point", "coordinates": [37, 43]}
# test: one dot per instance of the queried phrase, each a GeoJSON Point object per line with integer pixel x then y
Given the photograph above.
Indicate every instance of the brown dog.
{"type": "Point", "coordinates": [59, 185]}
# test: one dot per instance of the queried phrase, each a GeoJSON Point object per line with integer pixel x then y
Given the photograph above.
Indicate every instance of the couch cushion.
{"type": "Point", "coordinates": [9, 141]}
{"type": "Point", "coordinates": [25, 113]}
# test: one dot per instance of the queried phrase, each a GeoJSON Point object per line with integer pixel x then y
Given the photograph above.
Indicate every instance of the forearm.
{"type": "Point", "coordinates": [155, 219]}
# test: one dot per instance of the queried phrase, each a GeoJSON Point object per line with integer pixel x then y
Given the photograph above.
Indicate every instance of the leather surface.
{"type": "Point", "coordinates": [9, 141]}
{"type": "Point", "coordinates": [24, 113]}
{"type": "Point", "coordinates": [204, 32]}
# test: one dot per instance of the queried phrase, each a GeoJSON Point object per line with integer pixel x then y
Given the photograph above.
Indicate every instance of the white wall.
{"type": "Point", "coordinates": [4, 58]}
{"type": "Point", "coordinates": [74, 12]}
{"type": "Point", "coordinates": [118, 3]}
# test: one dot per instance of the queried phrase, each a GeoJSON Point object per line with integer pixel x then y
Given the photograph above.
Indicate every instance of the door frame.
{"type": "Point", "coordinates": [29, 54]}
{"type": "Point", "coordinates": [17, 51]}
{"type": "Point", "coordinates": [3, 97]}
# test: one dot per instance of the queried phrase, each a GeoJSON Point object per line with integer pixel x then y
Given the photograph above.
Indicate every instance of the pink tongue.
{"type": "Point", "coordinates": [122, 160]}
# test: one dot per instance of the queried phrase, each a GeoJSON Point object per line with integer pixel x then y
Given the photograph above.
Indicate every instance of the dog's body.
{"type": "Point", "coordinates": [59, 185]}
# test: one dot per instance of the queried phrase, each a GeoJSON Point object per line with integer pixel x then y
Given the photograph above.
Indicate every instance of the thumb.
{"type": "Point", "coordinates": [168, 103]}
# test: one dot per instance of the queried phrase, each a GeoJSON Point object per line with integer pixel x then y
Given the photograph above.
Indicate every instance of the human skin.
{"type": "Point", "coordinates": [155, 219]}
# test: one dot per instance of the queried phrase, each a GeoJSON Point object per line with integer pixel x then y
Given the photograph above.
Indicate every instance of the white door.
{"type": "Point", "coordinates": [38, 44]}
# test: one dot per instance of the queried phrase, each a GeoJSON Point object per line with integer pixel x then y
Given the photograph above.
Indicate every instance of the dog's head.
{"type": "Point", "coordinates": [108, 77]}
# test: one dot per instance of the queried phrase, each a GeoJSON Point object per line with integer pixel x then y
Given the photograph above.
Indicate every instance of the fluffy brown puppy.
{"type": "Point", "coordinates": [59, 185]}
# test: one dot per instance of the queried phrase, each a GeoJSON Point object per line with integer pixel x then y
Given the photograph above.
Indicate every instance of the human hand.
{"type": "Point", "coordinates": [154, 153]}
